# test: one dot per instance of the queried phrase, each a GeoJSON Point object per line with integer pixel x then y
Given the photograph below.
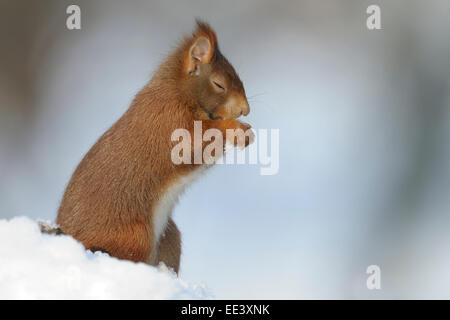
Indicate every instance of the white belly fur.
{"type": "Point", "coordinates": [163, 209]}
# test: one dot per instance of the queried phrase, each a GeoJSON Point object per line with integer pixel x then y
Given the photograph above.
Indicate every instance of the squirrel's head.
{"type": "Point", "coordinates": [210, 79]}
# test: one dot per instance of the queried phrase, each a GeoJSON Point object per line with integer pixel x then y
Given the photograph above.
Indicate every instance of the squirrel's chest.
{"type": "Point", "coordinates": [164, 207]}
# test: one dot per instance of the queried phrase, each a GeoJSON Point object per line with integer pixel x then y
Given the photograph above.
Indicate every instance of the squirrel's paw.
{"type": "Point", "coordinates": [242, 138]}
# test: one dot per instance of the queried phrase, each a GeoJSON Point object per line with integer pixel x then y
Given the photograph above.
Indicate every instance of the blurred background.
{"type": "Point", "coordinates": [364, 119]}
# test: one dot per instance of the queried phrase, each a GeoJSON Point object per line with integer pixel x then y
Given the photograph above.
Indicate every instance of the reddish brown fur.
{"type": "Point", "coordinates": [109, 201]}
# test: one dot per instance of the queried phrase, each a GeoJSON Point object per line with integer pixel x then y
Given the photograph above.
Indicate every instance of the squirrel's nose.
{"type": "Point", "coordinates": [245, 108]}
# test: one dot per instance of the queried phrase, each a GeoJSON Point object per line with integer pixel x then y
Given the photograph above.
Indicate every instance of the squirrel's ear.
{"type": "Point", "coordinates": [200, 52]}
{"type": "Point", "coordinates": [201, 48]}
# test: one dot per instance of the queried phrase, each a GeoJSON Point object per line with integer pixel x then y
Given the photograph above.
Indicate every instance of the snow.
{"type": "Point", "coordinates": [41, 266]}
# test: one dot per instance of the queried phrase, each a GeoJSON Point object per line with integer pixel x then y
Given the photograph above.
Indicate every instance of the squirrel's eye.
{"type": "Point", "coordinates": [219, 86]}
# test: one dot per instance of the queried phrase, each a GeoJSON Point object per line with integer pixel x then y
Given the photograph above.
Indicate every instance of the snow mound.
{"type": "Point", "coordinates": [40, 266]}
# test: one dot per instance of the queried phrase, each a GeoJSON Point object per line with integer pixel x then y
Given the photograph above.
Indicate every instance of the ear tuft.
{"type": "Point", "coordinates": [203, 44]}
{"type": "Point", "coordinates": [204, 29]}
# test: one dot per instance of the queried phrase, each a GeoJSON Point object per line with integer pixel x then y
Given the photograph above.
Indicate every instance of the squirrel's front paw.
{"type": "Point", "coordinates": [249, 134]}
{"type": "Point", "coordinates": [242, 137]}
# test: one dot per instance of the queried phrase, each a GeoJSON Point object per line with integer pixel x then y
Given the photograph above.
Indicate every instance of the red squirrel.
{"type": "Point", "coordinates": [121, 196]}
